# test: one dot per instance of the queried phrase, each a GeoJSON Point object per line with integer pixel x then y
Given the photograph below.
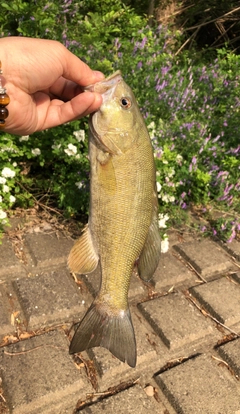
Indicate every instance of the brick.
{"type": "Point", "coordinates": [49, 298]}
{"type": "Point", "coordinates": [233, 248]}
{"type": "Point", "coordinates": [206, 257]}
{"type": "Point", "coordinates": [109, 367]}
{"type": "Point", "coordinates": [137, 289]}
{"type": "Point", "coordinates": [221, 298]}
{"type": "Point", "coordinates": [230, 352]}
{"type": "Point", "coordinates": [236, 277]}
{"type": "Point", "coordinates": [48, 250]}
{"type": "Point", "coordinates": [132, 400]}
{"type": "Point", "coordinates": [10, 265]}
{"type": "Point", "coordinates": [176, 321]}
{"type": "Point", "coordinates": [5, 313]}
{"type": "Point", "coordinates": [41, 377]}
{"type": "Point", "coordinates": [93, 281]}
{"type": "Point", "coordinates": [200, 385]}
{"type": "Point", "coordinates": [172, 272]}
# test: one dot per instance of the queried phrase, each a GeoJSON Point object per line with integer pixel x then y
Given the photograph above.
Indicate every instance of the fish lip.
{"type": "Point", "coordinates": [105, 85]}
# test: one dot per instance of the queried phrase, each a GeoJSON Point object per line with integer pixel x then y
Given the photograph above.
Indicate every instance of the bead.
{"type": "Point", "coordinates": [4, 99]}
{"type": "Point", "coordinates": [3, 113]}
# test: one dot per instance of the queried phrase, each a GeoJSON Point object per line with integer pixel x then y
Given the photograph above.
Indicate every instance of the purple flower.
{"type": "Point", "coordinates": [165, 70]}
{"type": "Point", "coordinates": [144, 41]}
{"type": "Point", "coordinates": [117, 44]}
{"type": "Point", "coordinates": [194, 160]}
{"type": "Point", "coordinates": [233, 235]}
{"type": "Point", "coordinates": [147, 79]}
{"type": "Point", "coordinates": [216, 139]}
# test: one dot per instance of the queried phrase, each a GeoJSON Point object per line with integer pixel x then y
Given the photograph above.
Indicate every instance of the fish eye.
{"type": "Point", "coordinates": [125, 103]}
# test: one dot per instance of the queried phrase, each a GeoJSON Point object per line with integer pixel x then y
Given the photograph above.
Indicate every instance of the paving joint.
{"type": "Point", "coordinates": [187, 324]}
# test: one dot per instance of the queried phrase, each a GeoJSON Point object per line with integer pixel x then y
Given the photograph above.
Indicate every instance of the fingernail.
{"type": "Point", "coordinates": [99, 75]}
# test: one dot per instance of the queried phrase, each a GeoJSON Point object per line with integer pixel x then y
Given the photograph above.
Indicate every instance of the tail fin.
{"type": "Point", "coordinates": [100, 327]}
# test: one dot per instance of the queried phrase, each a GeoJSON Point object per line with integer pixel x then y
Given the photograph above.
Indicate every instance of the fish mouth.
{"type": "Point", "coordinates": [106, 88]}
{"type": "Point", "coordinates": [106, 85]}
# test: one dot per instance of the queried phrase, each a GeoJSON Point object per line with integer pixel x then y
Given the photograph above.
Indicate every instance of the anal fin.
{"type": "Point", "coordinates": [82, 257]}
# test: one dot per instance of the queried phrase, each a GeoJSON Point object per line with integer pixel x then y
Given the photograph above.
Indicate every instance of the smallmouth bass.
{"type": "Point", "coordinates": [123, 219]}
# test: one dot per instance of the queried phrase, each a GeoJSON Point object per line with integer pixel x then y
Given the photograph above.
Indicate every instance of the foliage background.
{"type": "Point", "coordinates": [188, 93]}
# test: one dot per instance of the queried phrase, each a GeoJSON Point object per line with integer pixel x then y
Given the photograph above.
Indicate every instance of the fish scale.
{"type": "Point", "coordinates": [123, 225]}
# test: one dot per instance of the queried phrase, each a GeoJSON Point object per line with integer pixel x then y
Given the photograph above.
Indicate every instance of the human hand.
{"type": "Point", "coordinates": [44, 81]}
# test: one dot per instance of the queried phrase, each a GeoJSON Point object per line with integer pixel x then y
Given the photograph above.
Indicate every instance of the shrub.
{"type": "Point", "coordinates": [191, 109]}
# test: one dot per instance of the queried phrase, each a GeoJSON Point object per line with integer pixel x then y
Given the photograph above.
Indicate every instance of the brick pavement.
{"type": "Point", "coordinates": [186, 322]}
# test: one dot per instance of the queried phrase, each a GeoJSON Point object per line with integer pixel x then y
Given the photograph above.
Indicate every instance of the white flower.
{"type": "Point", "coordinates": [171, 199]}
{"type": "Point", "coordinates": [2, 180]}
{"type": "Point", "coordinates": [54, 146]}
{"type": "Point", "coordinates": [164, 244]}
{"type": "Point", "coordinates": [179, 159]}
{"type": "Point", "coordinates": [5, 189]}
{"type": "Point", "coordinates": [171, 172]}
{"type": "Point", "coordinates": [165, 198]}
{"type": "Point", "coordinates": [12, 199]}
{"type": "Point", "coordinates": [152, 128]}
{"type": "Point", "coordinates": [159, 187]}
{"type": "Point", "coordinates": [24, 138]}
{"type": "Point", "coordinates": [79, 184]}
{"type": "Point", "coordinates": [0, 199]}
{"type": "Point", "coordinates": [36, 151]}
{"type": "Point", "coordinates": [3, 215]}
{"type": "Point", "coordinates": [151, 125]}
{"type": "Point", "coordinates": [7, 172]}
{"type": "Point", "coordinates": [71, 150]}
{"type": "Point", "coordinates": [162, 220]}
{"type": "Point", "coordinates": [14, 164]}
{"type": "Point", "coordinates": [80, 135]}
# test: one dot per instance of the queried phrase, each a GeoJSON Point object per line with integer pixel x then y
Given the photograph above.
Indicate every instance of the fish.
{"type": "Point", "coordinates": [122, 227]}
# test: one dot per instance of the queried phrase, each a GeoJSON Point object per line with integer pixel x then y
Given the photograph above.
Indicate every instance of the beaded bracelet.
{"type": "Point", "coordinates": [4, 100]}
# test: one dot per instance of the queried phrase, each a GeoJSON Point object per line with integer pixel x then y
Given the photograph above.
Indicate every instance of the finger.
{"type": "Point", "coordinates": [64, 89]}
{"type": "Point", "coordinates": [77, 71]}
{"type": "Point", "coordinates": [55, 112]}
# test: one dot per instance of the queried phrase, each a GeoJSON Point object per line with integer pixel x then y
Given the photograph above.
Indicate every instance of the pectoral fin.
{"type": "Point", "coordinates": [82, 257]}
{"type": "Point", "coordinates": [150, 255]}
